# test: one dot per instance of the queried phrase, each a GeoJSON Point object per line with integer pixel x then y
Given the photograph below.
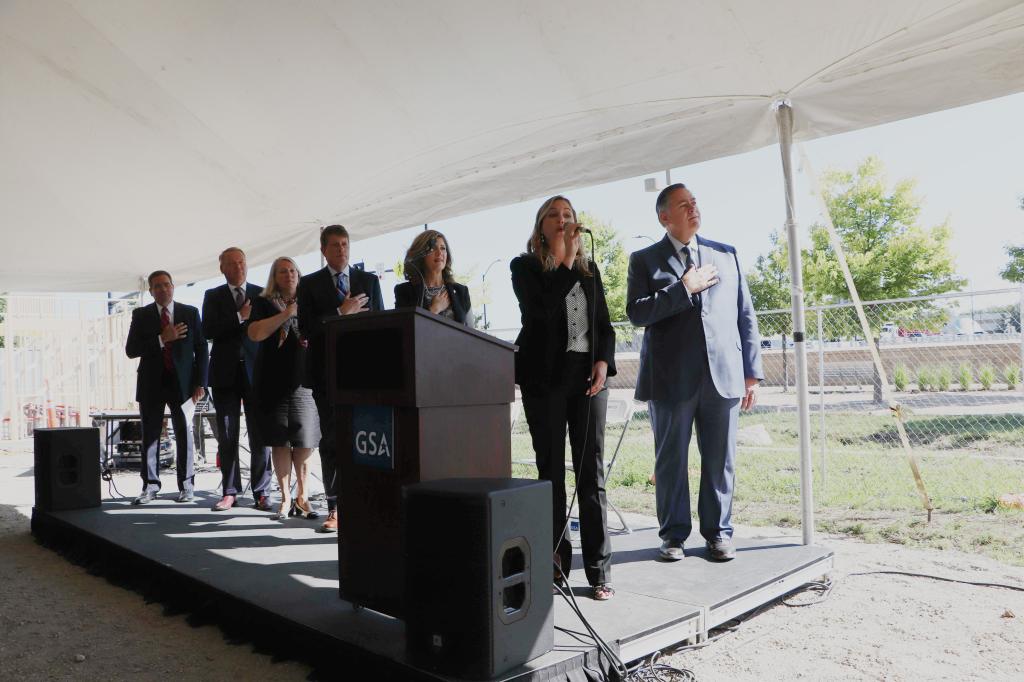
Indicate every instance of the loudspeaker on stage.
{"type": "Point", "coordinates": [67, 468]}
{"type": "Point", "coordinates": [478, 573]}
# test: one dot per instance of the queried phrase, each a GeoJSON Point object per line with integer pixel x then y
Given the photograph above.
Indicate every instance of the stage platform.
{"type": "Point", "coordinates": [281, 577]}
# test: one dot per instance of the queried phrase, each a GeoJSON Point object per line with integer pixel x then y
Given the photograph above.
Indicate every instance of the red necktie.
{"type": "Point", "coordinates": [165, 319]}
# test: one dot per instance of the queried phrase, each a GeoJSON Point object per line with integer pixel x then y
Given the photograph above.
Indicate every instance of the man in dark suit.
{"type": "Point", "coordinates": [337, 289]}
{"type": "Point", "coordinates": [226, 312]}
{"type": "Point", "coordinates": [700, 362]}
{"type": "Point", "coordinates": [168, 340]}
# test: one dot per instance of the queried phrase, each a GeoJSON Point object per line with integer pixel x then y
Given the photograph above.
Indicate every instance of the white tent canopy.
{"type": "Point", "coordinates": [144, 135]}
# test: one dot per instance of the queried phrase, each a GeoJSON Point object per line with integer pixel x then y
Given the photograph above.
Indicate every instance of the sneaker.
{"type": "Point", "coordinates": [146, 497]}
{"type": "Point", "coordinates": [185, 496]}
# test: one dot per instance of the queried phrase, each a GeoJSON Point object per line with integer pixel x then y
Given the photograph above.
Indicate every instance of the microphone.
{"type": "Point", "coordinates": [580, 227]}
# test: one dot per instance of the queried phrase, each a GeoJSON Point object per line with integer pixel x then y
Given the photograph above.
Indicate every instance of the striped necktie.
{"type": "Point", "coordinates": [342, 285]}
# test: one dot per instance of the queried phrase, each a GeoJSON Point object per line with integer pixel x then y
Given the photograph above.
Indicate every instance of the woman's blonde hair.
{"type": "Point", "coordinates": [420, 248]}
{"type": "Point", "coordinates": [270, 291]}
{"type": "Point", "coordinates": [538, 246]}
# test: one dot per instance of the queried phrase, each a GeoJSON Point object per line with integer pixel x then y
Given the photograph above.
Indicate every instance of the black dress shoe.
{"type": "Point", "coordinates": [721, 550]}
{"type": "Point", "coordinates": [671, 550]}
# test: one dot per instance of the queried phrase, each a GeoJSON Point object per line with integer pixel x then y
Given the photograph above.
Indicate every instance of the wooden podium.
{"type": "Point", "coordinates": [416, 398]}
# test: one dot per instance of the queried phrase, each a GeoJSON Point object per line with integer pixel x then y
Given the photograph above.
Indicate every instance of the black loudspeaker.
{"type": "Point", "coordinates": [478, 574]}
{"type": "Point", "coordinates": [67, 468]}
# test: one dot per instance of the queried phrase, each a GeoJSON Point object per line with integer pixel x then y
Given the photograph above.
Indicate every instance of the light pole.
{"type": "Point", "coordinates": [483, 287]}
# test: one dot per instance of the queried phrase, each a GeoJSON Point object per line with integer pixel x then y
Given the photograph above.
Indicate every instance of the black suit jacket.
{"type": "Point", "coordinates": [318, 301]}
{"type": "Point", "coordinates": [190, 354]}
{"type": "Point", "coordinates": [545, 333]}
{"type": "Point", "coordinates": [408, 295]}
{"type": "Point", "coordinates": [229, 336]}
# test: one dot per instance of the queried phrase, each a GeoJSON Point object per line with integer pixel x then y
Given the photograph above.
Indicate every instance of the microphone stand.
{"type": "Point", "coordinates": [423, 280]}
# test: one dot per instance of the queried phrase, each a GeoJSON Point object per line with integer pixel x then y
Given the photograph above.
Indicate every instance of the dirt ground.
{"type": "Point", "coordinates": [59, 622]}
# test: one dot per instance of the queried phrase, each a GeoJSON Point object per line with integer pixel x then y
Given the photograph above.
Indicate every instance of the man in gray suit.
{"type": "Point", "coordinates": [700, 362]}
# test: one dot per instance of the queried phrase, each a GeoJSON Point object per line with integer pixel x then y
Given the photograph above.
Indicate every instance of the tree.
{"type": "Point", "coordinates": [888, 253]}
{"type": "Point", "coordinates": [1014, 270]}
{"type": "Point", "coordinates": [611, 258]}
{"type": "Point", "coordinates": [769, 280]}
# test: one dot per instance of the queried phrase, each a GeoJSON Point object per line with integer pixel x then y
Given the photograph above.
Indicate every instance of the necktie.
{"type": "Point", "coordinates": [342, 285]}
{"type": "Point", "coordinates": [165, 319]}
{"type": "Point", "coordinates": [239, 302]}
{"type": "Point", "coordinates": [688, 263]}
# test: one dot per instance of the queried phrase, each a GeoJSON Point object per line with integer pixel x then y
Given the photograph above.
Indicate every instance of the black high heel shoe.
{"type": "Point", "coordinates": [307, 513]}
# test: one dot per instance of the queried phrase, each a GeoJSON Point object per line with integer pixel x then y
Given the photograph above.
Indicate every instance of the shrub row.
{"type": "Point", "coordinates": [941, 378]}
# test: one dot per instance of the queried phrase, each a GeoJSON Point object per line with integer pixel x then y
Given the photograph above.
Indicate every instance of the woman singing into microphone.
{"type": "Point", "coordinates": [566, 352]}
{"type": "Point", "coordinates": [428, 267]}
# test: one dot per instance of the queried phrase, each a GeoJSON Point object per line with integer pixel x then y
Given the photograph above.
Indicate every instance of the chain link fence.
{"type": "Point", "coordinates": [953, 364]}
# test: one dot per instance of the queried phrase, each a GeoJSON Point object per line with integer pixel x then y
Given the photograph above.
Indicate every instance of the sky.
{"type": "Point", "coordinates": [968, 163]}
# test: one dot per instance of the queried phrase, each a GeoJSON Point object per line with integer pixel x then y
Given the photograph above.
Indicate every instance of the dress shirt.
{"type": "Point", "coordinates": [694, 253]}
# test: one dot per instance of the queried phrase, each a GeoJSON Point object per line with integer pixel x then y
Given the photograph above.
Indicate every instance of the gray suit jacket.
{"type": "Point", "coordinates": [678, 337]}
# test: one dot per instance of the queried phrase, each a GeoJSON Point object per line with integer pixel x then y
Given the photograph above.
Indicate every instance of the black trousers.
{"type": "Point", "coordinates": [549, 411]}
{"type": "Point", "coordinates": [328, 449]}
{"type": "Point", "coordinates": [152, 412]}
{"type": "Point", "coordinates": [227, 403]}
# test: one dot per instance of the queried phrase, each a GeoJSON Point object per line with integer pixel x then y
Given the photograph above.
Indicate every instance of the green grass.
{"type": "Point", "coordinates": [867, 491]}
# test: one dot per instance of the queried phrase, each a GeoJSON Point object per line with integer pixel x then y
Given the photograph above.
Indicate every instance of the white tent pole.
{"type": "Point", "coordinates": [784, 120]}
{"type": "Point", "coordinates": [323, 261]}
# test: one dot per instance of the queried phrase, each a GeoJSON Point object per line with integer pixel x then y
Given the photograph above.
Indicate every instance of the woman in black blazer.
{"type": "Point", "coordinates": [428, 267]}
{"type": "Point", "coordinates": [566, 352]}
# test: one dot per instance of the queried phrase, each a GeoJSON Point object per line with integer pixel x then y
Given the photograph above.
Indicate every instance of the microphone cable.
{"type": "Point", "coordinates": [620, 668]}
{"type": "Point", "coordinates": [590, 400]}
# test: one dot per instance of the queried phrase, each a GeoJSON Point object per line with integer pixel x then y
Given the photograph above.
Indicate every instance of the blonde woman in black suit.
{"type": "Point", "coordinates": [566, 353]}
